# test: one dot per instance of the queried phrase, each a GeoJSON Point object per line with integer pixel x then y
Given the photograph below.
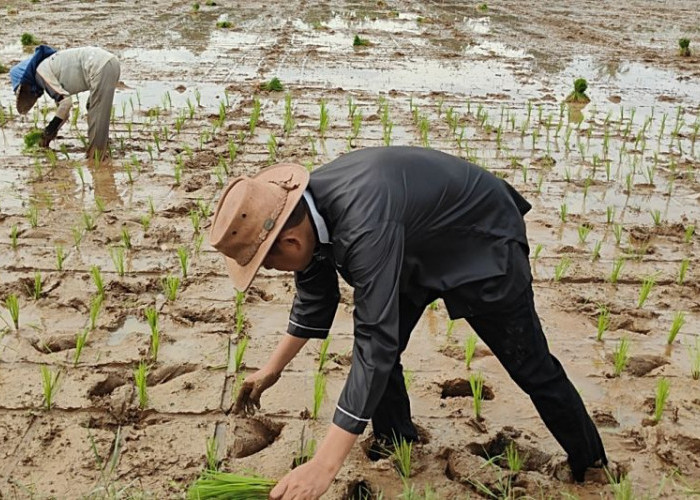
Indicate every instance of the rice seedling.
{"type": "Point", "coordinates": [401, 456]}
{"type": "Point", "coordinates": [319, 394]}
{"type": "Point", "coordinates": [288, 115]}
{"type": "Point", "coordinates": [307, 449]}
{"type": "Point", "coordinates": [195, 8]}
{"type": "Point", "coordinates": [49, 384]}
{"type": "Point", "coordinates": [77, 236]}
{"type": "Point", "coordinates": [513, 458]}
{"type": "Point", "coordinates": [198, 240]}
{"type": "Point", "coordinates": [95, 307]}
{"type": "Point", "coordinates": [212, 453]}
{"type": "Point", "coordinates": [274, 85]}
{"type": "Point", "coordinates": [254, 115]}
{"type": "Point", "coordinates": [647, 285]}
{"type": "Point", "coordinates": [450, 328]}
{"type": "Point", "coordinates": [579, 92]}
{"type": "Point", "coordinates": [676, 325]}
{"type": "Point", "coordinates": [88, 221]}
{"type": "Point", "coordinates": [618, 264]}
{"type": "Point", "coordinates": [152, 319]}
{"type": "Point", "coordinates": [561, 268]}
{"type": "Point", "coordinates": [360, 42]}
{"type": "Point", "coordinates": [688, 234]}
{"type": "Point", "coordinates": [656, 216]}
{"type": "Point", "coordinates": [216, 485]}
{"type": "Point", "coordinates": [32, 138]}
{"type": "Point", "coordinates": [684, 47]}
{"type": "Point", "coordinates": [595, 254]}
{"type": "Point", "coordinates": [622, 487]}
{"type": "Point", "coordinates": [537, 251]}
{"type": "Point", "coordinates": [12, 305]}
{"type": "Point", "coordinates": [60, 257]}
{"type": "Point", "coordinates": [33, 216]}
{"type": "Point", "coordinates": [476, 382]}
{"type": "Point", "coordinates": [97, 279]}
{"type": "Point", "coordinates": [694, 354]}
{"type": "Point", "coordinates": [469, 349]}
{"type": "Point", "coordinates": [170, 285]}
{"type": "Point", "coordinates": [323, 353]}
{"type": "Point", "coordinates": [583, 232]}
{"type": "Point", "coordinates": [603, 321]}
{"type": "Point", "coordinates": [682, 270]}
{"type": "Point", "coordinates": [663, 388]}
{"type": "Point", "coordinates": [323, 119]}
{"type": "Point", "coordinates": [563, 212]}
{"type": "Point", "coordinates": [80, 341]}
{"type": "Point", "coordinates": [621, 356]}
{"type": "Point", "coordinates": [140, 376]}
{"type": "Point", "coordinates": [241, 347]}
{"type": "Point", "coordinates": [118, 259]}
{"type": "Point", "coordinates": [14, 234]}
{"type": "Point", "coordinates": [99, 204]}
{"type": "Point", "coordinates": [272, 149]}
{"type": "Point", "coordinates": [145, 221]}
{"type": "Point", "coordinates": [183, 257]}
{"type": "Point", "coordinates": [27, 40]}
{"type": "Point", "coordinates": [224, 24]}
{"type": "Point", "coordinates": [36, 291]}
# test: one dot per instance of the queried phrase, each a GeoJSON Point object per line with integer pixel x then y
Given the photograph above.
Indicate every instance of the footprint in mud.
{"type": "Point", "coordinates": [53, 343]}
{"type": "Point", "coordinates": [532, 458]}
{"type": "Point", "coordinates": [168, 373]}
{"type": "Point", "coordinates": [106, 387]}
{"type": "Point", "coordinates": [359, 489]}
{"type": "Point", "coordinates": [250, 435]}
{"type": "Point", "coordinates": [461, 388]}
{"type": "Point", "coordinates": [640, 365]}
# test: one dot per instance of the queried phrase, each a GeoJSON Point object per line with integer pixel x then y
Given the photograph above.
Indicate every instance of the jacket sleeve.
{"type": "Point", "coordinates": [316, 300]}
{"type": "Point", "coordinates": [374, 263]}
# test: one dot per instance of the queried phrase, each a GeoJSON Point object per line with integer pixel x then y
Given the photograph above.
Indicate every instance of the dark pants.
{"type": "Point", "coordinates": [514, 335]}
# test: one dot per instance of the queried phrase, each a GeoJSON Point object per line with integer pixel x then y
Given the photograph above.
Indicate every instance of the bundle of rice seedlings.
{"type": "Point", "coordinates": [223, 485]}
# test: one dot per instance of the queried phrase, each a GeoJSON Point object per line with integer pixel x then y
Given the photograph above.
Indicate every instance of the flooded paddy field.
{"type": "Point", "coordinates": [92, 254]}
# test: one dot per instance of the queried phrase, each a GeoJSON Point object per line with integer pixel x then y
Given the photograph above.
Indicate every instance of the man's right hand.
{"type": "Point", "coordinates": [248, 399]}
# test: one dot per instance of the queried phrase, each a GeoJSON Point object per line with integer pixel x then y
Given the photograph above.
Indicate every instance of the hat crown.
{"type": "Point", "coordinates": [247, 212]}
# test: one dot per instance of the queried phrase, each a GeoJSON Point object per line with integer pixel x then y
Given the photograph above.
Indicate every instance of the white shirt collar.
{"type": "Point", "coordinates": [321, 228]}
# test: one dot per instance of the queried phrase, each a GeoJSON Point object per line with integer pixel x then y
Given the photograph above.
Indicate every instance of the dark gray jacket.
{"type": "Point", "coordinates": [404, 223]}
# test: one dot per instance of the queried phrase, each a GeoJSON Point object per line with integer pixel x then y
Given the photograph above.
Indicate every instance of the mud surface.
{"type": "Point", "coordinates": [613, 181]}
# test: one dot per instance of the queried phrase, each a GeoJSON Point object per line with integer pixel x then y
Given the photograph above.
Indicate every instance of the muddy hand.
{"type": "Point", "coordinates": [253, 386]}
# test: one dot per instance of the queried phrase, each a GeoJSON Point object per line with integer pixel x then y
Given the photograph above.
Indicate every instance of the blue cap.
{"type": "Point", "coordinates": [17, 73]}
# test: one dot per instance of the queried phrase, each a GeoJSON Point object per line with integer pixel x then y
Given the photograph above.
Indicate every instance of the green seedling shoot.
{"type": "Point", "coordinates": [36, 292]}
{"type": "Point", "coordinates": [513, 458]}
{"type": "Point", "coordinates": [476, 382]}
{"type": "Point", "coordinates": [49, 384]}
{"type": "Point", "coordinates": [682, 270]}
{"type": "Point", "coordinates": [27, 40]}
{"type": "Point", "coordinates": [583, 232]}
{"type": "Point", "coordinates": [401, 456]}
{"type": "Point", "coordinates": [212, 453]}
{"type": "Point", "coordinates": [184, 257]}
{"type": "Point", "coordinates": [603, 322]}
{"type": "Point", "coordinates": [469, 349]}
{"type": "Point", "coordinates": [319, 394]}
{"type": "Point", "coordinates": [33, 216]}
{"type": "Point", "coordinates": [694, 353]}
{"type": "Point", "coordinates": [621, 356]}
{"type": "Point", "coordinates": [140, 376]}
{"type": "Point", "coordinates": [323, 120]}
{"type": "Point", "coordinates": [274, 85]}
{"type": "Point", "coordinates": [212, 484]}
{"type": "Point", "coordinates": [579, 92]}
{"type": "Point", "coordinates": [12, 305]}
{"type": "Point", "coordinates": [88, 221]}
{"type": "Point", "coordinates": [241, 347]}
{"type": "Point", "coordinates": [95, 307]}
{"type": "Point", "coordinates": [118, 259]}
{"type": "Point", "coordinates": [254, 115]}
{"type": "Point", "coordinates": [97, 279]}
{"type": "Point", "coordinates": [323, 353]}
{"type": "Point", "coordinates": [646, 289]}
{"type": "Point", "coordinates": [307, 449]}
{"type": "Point", "coordinates": [618, 263]}
{"type": "Point", "coordinates": [80, 341]}
{"type": "Point", "coordinates": [450, 328]}
{"type": "Point", "coordinates": [676, 325]}
{"type": "Point", "coordinates": [360, 42]}
{"type": "Point", "coordinates": [561, 268]}
{"type": "Point", "coordinates": [408, 377]}
{"type": "Point", "coordinates": [683, 47]}
{"type": "Point", "coordinates": [14, 234]}
{"type": "Point", "coordinates": [60, 257]}
{"type": "Point", "coordinates": [288, 115]}
{"type": "Point", "coordinates": [663, 387]}
{"type": "Point", "coordinates": [151, 314]}
{"type": "Point", "coordinates": [170, 285]}
{"type": "Point", "coordinates": [595, 253]}
{"type": "Point", "coordinates": [688, 234]}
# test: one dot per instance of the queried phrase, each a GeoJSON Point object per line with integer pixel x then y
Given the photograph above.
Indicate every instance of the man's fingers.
{"type": "Point", "coordinates": [242, 400]}
{"type": "Point", "coordinates": [279, 489]}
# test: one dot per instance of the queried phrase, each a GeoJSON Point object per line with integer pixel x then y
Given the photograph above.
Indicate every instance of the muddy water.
{"type": "Point", "coordinates": [490, 85]}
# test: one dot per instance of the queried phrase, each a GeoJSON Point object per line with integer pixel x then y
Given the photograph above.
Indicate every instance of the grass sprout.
{"type": "Point", "coordinates": [80, 342]}
{"type": "Point", "coordinates": [401, 456]}
{"type": "Point", "coordinates": [241, 347]}
{"type": "Point", "coordinates": [97, 279]}
{"type": "Point", "coordinates": [676, 325]}
{"type": "Point", "coordinates": [603, 321]}
{"type": "Point", "coordinates": [319, 394]}
{"type": "Point", "coordinates": [694, 353]}
{"type": "Point", "coordinates": [476, 382]}
{"type": "Point", "coordinates": [151, 314]}
{"type": "Point", "coordinates": [647, 285]}
{"type": "Point", "coordinates": [621, 356]}
{"type": "Point", "coordinates": [12, 305]}
{"type": "Point", "coordinates": [212, 453]}
{"type": "Point", "coordinates": [470, 349]}
{"type": "Point", "coordinates": [49, 384]}
{"type": "Point", "coordinates": [140, 376]}
{"type": "Point", "coordinates": [170, 285]}
{"type": "Point", "coordinates": [663, 387]}
{"type": "Point", "coordinates": [323, 353]}
{"type": "Point", "coordinates": [95, 307]}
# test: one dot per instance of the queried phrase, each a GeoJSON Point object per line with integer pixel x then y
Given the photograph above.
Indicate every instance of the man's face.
{"type": "Point", "coordinates": [293, 249]}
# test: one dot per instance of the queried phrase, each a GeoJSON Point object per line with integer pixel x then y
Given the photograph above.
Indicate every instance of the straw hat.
{"type": "Point", "coordinates": [250, 215]}
{"type": "Point", "coordinates": [25, 99]}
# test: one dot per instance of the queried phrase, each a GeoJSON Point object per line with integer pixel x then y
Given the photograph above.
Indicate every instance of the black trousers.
{"type": "Point", "coordinates": [514, 334]}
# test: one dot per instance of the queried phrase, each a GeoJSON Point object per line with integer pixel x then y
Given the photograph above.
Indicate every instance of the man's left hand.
{"type": "Point", "coordinates": [50, 132]}
{"type": "Point", "coordinates": [307, 482]}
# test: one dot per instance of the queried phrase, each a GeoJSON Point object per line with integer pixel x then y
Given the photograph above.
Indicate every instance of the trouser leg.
{"type": "Point", "coordinates": [392, 418]}
{"type": "Point", "coordinates": [100, 111]}
{"type": "Point", "coordinates": [514, 334]}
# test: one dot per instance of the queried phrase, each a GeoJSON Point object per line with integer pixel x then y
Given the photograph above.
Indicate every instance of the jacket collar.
{"type": "Point", "coordinates": [319, 223]}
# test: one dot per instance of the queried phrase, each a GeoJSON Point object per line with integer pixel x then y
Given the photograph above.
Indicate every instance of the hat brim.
{"type": "Point", "coordinates": [242, 276]}
{"type": "Point", "coordinates": [25, 99]}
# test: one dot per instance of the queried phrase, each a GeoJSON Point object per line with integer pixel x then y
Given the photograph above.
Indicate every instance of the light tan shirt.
{"type": "Point", "coordinates": [70, 71]}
